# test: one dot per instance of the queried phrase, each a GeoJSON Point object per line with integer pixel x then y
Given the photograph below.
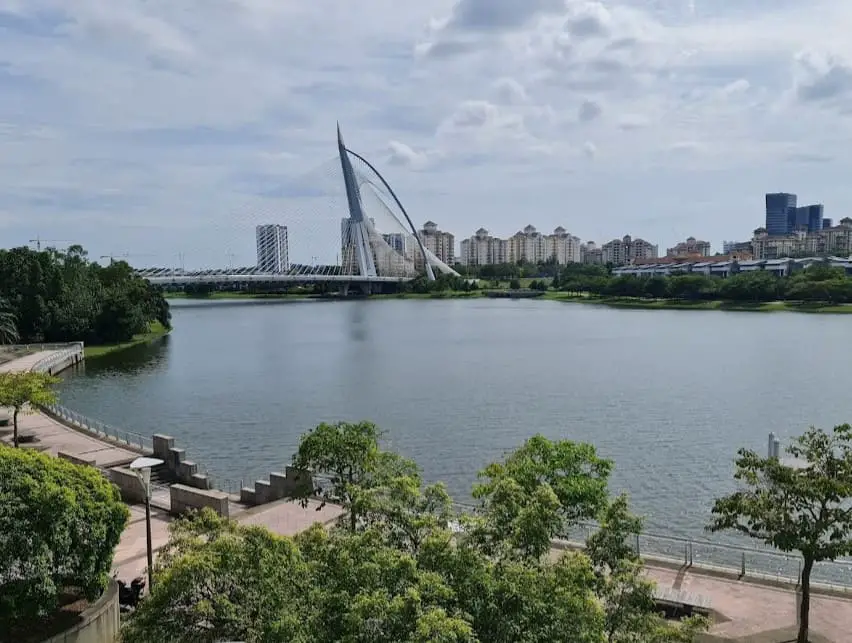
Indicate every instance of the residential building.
{"type": "Point", "coordinates": [591, 253]}
{"type": "Point", "coordinates": [780, 213]}
{"type": "Point", "coordinates": [731, 247]}
{"type": "Point", "coordinates": [273, 253]}
{"type": "Point", "coordinates": [563, 247]}
{"type": "Point", "coordinates": [528, 245]}
{"type": "Point", "coordinates": [690, 247]}
{"type": "Point", "coordinates": [439, 243]}
{"type": "Point", "coordinates": [482, 250]}
{"type": "Point", "coordinates": [835, 240]}
{"type": "Point", "coordinates": [622, 251]}
{"type": "Point", "coordinates": [400, 242]}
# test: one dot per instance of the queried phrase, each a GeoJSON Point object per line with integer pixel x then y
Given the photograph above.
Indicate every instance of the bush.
{"type": "Point", "coordinates": [59, 526]}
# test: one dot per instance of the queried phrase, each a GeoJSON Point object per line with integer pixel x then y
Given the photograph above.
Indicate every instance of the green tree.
{"type": "Point", "coordinates": [59, 526]}
{"type": "Point", "coordinates": [544, 487]}
{"type": "Point", "coordinates": [349, 454]}
{"type": "Point", "coordinates": [19, 391]}
{"type": "Point", "coordinates": [8, 324]}
{"type": "Point", "coordinates": [515, 284]}
{"type": "Point", "coordinates": [796, 508]}
{"type": "Point", "coordinates": [627, 597]}
{"type": "Point", "coordinates": [217, 580]}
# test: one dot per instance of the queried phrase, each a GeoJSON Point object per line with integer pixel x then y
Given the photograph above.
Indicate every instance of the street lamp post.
{"type": "Point", "coordinates": [142, 467]}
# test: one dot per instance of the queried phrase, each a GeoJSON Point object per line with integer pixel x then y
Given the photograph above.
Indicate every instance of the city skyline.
{"type": "Point", "coordinates": [142, 128]}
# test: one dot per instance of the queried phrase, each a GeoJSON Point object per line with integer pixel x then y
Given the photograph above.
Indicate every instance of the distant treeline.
{"type": "Point", "coordinates": [819, 283]}
{"type": "Point", "coordinates": [55, 296]}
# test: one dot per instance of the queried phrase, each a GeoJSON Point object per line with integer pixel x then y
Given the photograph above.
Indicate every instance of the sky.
{"type": "Point", "coordinates": [162, 131]}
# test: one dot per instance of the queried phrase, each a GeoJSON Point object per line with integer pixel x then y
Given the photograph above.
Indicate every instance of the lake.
{"type": "Point", "coordinates": [668, 395]}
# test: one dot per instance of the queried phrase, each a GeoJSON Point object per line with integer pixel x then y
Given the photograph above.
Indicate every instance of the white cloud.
{"type": "Point", "coordinates": [135, 125]}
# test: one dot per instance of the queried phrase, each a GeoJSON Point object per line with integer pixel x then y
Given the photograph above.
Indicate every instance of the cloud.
{"type": "Point", "coordinates": [500, 14]}
{"type": "Point", "coordinates": [510, 92]}
{"type": "Point", "coordinates": [823, 79]}
{"type": "Point", "coordinates": [589, 111]}
{"type": "Point", "coordinates": [192, 120]}
{"type": "Point", "coordinates": [404, 155]}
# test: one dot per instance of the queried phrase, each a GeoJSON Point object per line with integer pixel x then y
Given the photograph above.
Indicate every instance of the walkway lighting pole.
{"type": "Point", "coordinates": [142, 467]}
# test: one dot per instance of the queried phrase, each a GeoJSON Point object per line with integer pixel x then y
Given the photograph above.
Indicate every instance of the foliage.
{"type": "Point", "coordinates": [819, 283]}
{"type": "Point", "coordinates": [62, 296]}
{"type": "Point", "coordinates": [806, 509]}
{"type": "Point", "coordinates": [59, 525]}
{"type": "Point", "coordinates": [402, 571]}
{"type": "Point", "coordinates": [20, 390]}
{"type": "Point", "coordinates": [8, 324]}
{"type": "Point", "coordinates": [442, 283]}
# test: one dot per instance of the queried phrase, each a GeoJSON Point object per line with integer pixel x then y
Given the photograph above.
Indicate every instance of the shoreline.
{"type": "Point", "coordinates": [612, 302]}
{"type": "Point", "coordinates": [156, 331]}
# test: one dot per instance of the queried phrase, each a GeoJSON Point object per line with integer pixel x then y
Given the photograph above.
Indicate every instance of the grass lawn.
{"type": "Point", "coordinates": [155, 331]}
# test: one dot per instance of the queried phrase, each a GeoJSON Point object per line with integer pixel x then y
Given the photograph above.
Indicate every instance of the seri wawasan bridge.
{"type": "Point", "coordinates": [387, 252]}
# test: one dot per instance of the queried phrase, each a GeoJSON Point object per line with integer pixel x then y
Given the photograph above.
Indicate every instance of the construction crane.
{"type": "Point", "coordinates": [38, 241]}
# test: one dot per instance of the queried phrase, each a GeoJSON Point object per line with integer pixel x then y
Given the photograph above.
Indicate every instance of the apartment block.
{"type": "Point", "coordinates": [622, 251]}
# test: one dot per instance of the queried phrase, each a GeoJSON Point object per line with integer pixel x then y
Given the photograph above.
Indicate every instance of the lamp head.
{"type": "Point", "coordinates": [142, 467]}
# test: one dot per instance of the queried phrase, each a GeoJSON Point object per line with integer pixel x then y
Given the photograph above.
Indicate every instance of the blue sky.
{"type": "Point", "coordinates": [163, 128]}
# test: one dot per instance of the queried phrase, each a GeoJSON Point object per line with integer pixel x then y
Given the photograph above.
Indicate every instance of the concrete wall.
{"type": "Point", "coordinates": [98, 624]}
{"type": "Point", "coordinates": [183, 470]}
{"type": "Point", "coordinates": [279, 486]}
{"type": "Point", "coordinates": [128, 484]}
{"type": "Point", "coordinates": [75, 459]}
{"type": "Point", "coordinates": [185, 498]}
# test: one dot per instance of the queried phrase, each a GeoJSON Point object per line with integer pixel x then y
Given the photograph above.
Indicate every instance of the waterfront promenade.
{"type": "Point", "coordinates": [748, 611]}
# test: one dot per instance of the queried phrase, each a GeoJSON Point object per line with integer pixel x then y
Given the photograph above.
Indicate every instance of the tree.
{"type": "Point", "coordinates": [59, 526]}
{"type": "Point", "coordinates": [399, 572]}
{"type": "Point", "coordinates": [8, 325]}
{"type": "Point", "coordinates": [796, 508]}
{"type": "Point", "coordinates": [627, 597]}
{"type": "Point", "coordinates": [20, 390]}
{"type": "Point", "coordinates": [349, 454]}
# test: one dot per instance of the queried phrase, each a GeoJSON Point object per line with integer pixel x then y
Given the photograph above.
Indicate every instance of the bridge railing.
{"type": "Point", "coordinates": [61, 354]}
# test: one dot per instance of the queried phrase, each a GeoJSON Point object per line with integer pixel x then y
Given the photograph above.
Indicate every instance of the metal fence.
{"type": "Point", "coordinates": [754, 561]}
{"type": "Point", "coordinates": [100, 429]}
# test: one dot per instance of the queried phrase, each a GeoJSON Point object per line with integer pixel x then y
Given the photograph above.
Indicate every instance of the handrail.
{"type": "Point", "coordinates": [99, 429]}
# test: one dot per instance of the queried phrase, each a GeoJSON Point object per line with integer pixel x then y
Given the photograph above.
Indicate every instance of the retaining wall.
{"type": "Point", "coordinates": [278, 487]}
{"type": "Point", "coordinates": [184, 498]}
{"type": "Point", "coordinates": [128, 484]}
{"type": "Point", "coordinates": [98, 624]}
{"type": "Point", "coordinates": [183, 470]}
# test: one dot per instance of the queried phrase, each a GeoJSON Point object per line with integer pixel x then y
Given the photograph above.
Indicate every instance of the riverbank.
{"type": "Point", "coordinates": [155, 331]}
{"type": "Point", "coordinates": [715, 304]}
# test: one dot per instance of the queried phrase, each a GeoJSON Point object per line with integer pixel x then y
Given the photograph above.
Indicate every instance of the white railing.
{"type": "Point", "coordinates": [99, 429]}
{"type": "Point", "coordinates": [62, 352]}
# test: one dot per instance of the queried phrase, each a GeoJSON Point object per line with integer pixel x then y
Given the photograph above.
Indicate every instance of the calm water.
{"type": "Point", "coordinates": [669, 395]}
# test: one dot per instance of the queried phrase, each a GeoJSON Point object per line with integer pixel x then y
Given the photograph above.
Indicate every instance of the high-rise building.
{"type": "Point", "coordinates": [483, 250]}
{"type": "Point", "coordinates": [827, 223]}
{"type": "Point", "coordinates": [273, 253]}
{"type": "Point", "coordinates": [690, 247]}
{"type": "Point", "coordinates": [441, 244]}
{"type": "Point", "coordinates": [622, 251]}
{"type": "Point", "coordinates": [809, 217]}
{"type": "Point", "coordinates": [529, 246]}
{"type": "Point", "coordinates": [780, 213]}
{"type": "Point", "coordinates": [563, 247]}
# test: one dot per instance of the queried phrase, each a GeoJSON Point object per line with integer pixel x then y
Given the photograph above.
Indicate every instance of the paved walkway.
{"type": "Point", "coordinates": [751, 611]}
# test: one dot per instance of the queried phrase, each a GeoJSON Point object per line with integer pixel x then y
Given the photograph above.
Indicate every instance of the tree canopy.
{"type": "Point", "coordinates": [59, 525]}
{"type": "Point", "coordinates": [20, 390]}
{"type": "Point", "coordinates": [803, 506]}
{"type": "Point", "coordinates": [56, 296]}
{"type": "Point", "coordinates": [407, 569]}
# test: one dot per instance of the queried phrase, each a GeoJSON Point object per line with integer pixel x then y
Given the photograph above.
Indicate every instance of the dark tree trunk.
{"type": "Point", "coordinates": [15, 428]}
{"type": "Point", "coordinates": [805, 607]}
